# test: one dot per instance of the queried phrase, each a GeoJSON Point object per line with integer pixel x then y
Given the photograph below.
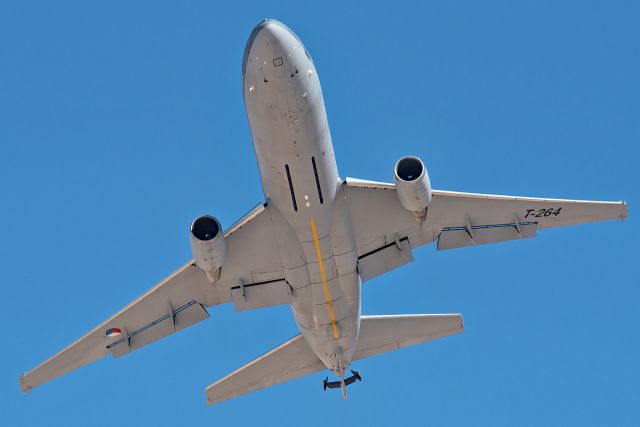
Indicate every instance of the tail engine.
{"type": "Point", "coordinates": [413, 186]}
{"type": "Point", "coordinates": [208, 245]}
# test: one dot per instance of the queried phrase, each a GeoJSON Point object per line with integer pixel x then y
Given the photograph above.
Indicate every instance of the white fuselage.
{"type": "Point", "coordinates": [300, 179]}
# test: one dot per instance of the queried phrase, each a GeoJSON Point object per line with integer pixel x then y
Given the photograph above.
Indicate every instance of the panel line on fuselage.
{"type": "Point", "coordinates": [315, 172]}
{"type": "Point", "coordinates": [293, 194]}
{"type": "Point", "coordinates": [336, 334]}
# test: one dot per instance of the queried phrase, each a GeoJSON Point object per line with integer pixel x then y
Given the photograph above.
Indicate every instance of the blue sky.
{"type": "Point", "coordinates": [121, 122]}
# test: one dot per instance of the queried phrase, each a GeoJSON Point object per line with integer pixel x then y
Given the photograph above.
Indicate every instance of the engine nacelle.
{"type": "Point", "coordinates": [208, 245]}
{"type": "Point", "coordinates": [413, 186]}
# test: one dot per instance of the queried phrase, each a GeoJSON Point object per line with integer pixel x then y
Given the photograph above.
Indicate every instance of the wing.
{"type": "Point", "coordinates": [294, 358]}
{"type": "Point", "coordinates": [179, 301]}
{"type": "Point", "coordinates": [467, 219]}
{"type": "Point", "coordinates": [385, 232]}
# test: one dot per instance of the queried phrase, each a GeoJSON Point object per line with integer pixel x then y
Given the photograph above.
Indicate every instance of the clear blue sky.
{"type": "Point", "coordinates": [120, 122]}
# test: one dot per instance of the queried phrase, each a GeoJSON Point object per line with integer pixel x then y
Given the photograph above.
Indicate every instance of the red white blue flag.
{"type": "Point", "coordinates": [113, 332]}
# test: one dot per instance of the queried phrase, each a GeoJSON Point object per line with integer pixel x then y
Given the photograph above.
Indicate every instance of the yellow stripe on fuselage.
{"type": "Point", "coordinates": [336, 334]}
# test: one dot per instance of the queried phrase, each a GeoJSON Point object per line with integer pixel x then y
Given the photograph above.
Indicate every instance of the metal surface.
{"type": "Point", "coordinates": [303, 245]}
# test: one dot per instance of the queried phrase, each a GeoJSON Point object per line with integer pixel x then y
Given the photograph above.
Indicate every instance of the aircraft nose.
{"type": "Point", "coordinates": [269, 36]}
{"type": "Point", "coordinates": [268, 25]}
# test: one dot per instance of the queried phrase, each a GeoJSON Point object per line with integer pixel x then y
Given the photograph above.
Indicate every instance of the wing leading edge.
{"type": "Point", "coordinates": [129, 328]}
{"type": "Point", "coordinates": [462, 219]}
{"type": "Point", "coordinates": [179, 301]}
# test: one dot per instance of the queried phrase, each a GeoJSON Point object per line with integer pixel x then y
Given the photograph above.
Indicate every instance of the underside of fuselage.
{"type": "Point", "coordinates": [312, 241]}
{"type": "Point", "coordinates": [288, 122]}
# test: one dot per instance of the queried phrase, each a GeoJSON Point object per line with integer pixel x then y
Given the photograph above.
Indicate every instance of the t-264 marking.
{"type": "Point", "coordinates": [539, 213]}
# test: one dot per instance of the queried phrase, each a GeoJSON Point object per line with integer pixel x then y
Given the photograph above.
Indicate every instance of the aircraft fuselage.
{"type": "Point", "coordinates": [291, 137]}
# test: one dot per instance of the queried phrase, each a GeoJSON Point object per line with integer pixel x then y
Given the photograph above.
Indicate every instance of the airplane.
{"type": "Point", "coordinates": [313, 241]}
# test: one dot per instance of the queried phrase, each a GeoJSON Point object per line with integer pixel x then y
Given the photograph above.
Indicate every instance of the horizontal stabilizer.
{"type": "Point", "coordinates": [294, 358]}
{"type": "Point", "coordinates": [380, 334]}
{"type": "Point", "coordinates": [289, 360]}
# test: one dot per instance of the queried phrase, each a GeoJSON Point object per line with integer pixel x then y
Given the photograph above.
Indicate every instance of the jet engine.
{"type": "Point", "coordinates": [413, 186]}
{"type": "Point", "coordinates": [208, 245]}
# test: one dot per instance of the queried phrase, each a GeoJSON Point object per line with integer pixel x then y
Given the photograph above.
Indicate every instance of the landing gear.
{"type": "Point", "coordinates": [343, 383]}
